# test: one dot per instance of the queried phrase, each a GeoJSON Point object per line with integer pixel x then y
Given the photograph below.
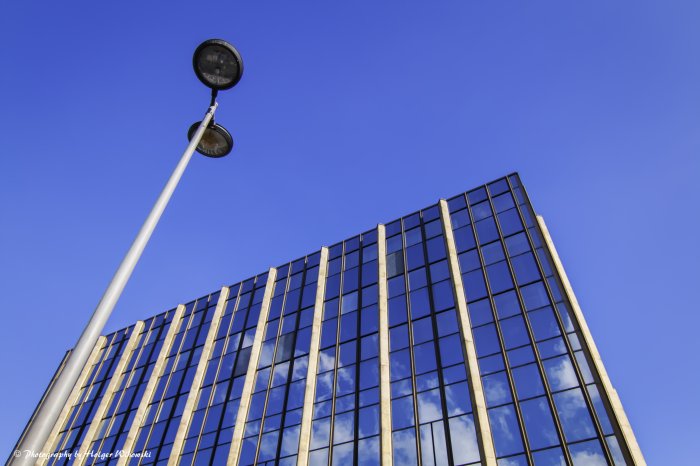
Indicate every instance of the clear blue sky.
{"type": "Point", "coordinates": [350, 114]}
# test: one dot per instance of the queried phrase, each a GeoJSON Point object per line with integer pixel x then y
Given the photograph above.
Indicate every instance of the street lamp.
{"type": "Point", "coordinates": [219, 66]}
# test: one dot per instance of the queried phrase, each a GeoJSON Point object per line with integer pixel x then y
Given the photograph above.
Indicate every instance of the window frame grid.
{"type": "Point", "coordinates": [113, 411]}
{"type": "Point", "coordinates": [307, 264]}
{"type": "Point", "coordinates": [358, 346]}
{"type": "Point", "coordinates": [200, 432]}
{"type": "Point", "coordinates": [110, 354]}
{"type": "Point", "coordinates": [189, 321]}
{"type": "Point", "coordinates": [601, 437]}
{"type": "Point", "coordinates": [433, 315]}
{"type": "Point", "coordinates": [515, 400]}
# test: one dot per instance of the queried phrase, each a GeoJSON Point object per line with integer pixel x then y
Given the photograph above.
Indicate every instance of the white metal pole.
{"type": "Point", "coordinates": [40, 427]}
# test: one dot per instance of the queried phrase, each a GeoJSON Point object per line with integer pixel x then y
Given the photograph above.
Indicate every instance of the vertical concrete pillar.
{"type": "Point", "coordinates": [615, 404]}
{"type": "Point", "coordinates": [483, 428]}
{"type": "Point", "coordinates": [53, 438]}
{"type": "Point", "coordinates": [128, 447]}
{"type": "Point", "coordinates": [114, 383]}
{"type": "Point", "coordinates": [247, 391]}
{"type": "Point", "coordinates": [198, 377]}
{"type": "Point", "coordinates": [384, 374]}
{"type": "Point", "coordinates": [312, 368]}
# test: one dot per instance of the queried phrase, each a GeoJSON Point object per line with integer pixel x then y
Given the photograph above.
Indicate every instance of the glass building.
{"type": "Point", "coordinates": [450, 336]}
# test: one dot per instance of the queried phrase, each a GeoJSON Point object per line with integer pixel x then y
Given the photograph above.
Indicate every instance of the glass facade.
{"type": "Point", "coordinates": [539, 389]}
{"type": "Point", "coordinates": [157, 430]}
{"type": "Point", "coordinates": [90, 395]}
{"type": "Point", "coordinates": [432, 421]}
{"type": "Point", "coordinates": [123, 403]}
{"type": "Point", "coordinates": [272, 426]}
{"type": "Point", "coordinates": [468, 279]}
{"type": "Point", "coordinates": [346, 403]}
{"type": "Point", "coordinates": [210, 430]}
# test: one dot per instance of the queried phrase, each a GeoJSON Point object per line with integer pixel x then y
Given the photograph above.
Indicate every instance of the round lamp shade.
{"type": "Point", "coordinates": [217, 64]}
{"type": "Point", "coordinates": [216, 141]}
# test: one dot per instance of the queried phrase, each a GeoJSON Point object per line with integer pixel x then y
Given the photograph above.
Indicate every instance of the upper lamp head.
{"type": "Point", "coordinates": [217, 64]}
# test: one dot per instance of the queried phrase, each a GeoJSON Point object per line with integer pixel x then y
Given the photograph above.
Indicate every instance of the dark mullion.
{"type": "Point", "coordinates": [331, 432]}
{"type": "Point", "coordinates": [497, 324]}
{"type": "Point", "coordinates": [292, 360]}
{"type": "Point", "coordinates": [574, 363]}
{"type": "Point", "coordinates": [272, 364]}
{"type": "Point", "coordinates": [358, 354]}
{"type": "Point", "coordinates": [530, 333]}
{"type": "Point", "coordinates": [436, 345]}
{"type": "Point", "coordinates": [409, 326]}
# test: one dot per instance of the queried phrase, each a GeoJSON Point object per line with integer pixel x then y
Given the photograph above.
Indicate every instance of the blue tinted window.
{"type": "Point", "coordinates": [402, 412]}
{"type": "Point", "coordinates": [514, 332]}
{"type": "Point", "coordinates": [573, 415]}
{"type": "Point", "coordinates": [544, 324]}
{"type": "Point", "coordinates": [517, 244]}
{"type": "Point", "coordinates": [464, 445]}
{"type": "Point", "coordinates": [464, 239]}
{"type": "Point", "coordinates": [496, 389]}
{"type": "Point", "coordinates": [499, 277]}
{"type": "Point", "coordinates": [588, 452]}
{"type": "Point", "coordinates": [486, 231]}
{"type": "Point", "coordinates": [474, 286]}
{"type": "Point", "coordinates": [503, 202]}
{"type": "Point", "coordinates": [535, 296]}
{"type": "Point", "coordinates": [460, 219]}
{"type": "Point", "coordinates": [507, 304]}
{"type": "Point", "coordinates": [480, 312]}
{"type": "Point", "coordinates": [504, 428]}
{"type": "Point", "coordinates": [525, 268]}
{"type": "Point", "coordinates": [481, 211]}
{"type": "Point", "coordinates": [469, 261]}
{"type": "Point", "coordinates": [510, 222]}
{"type": "Point", "coordinates": [486, 340]}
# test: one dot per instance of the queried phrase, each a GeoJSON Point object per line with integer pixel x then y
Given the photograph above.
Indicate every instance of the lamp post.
{"type": "Point", "coordinates": [219, 66]}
